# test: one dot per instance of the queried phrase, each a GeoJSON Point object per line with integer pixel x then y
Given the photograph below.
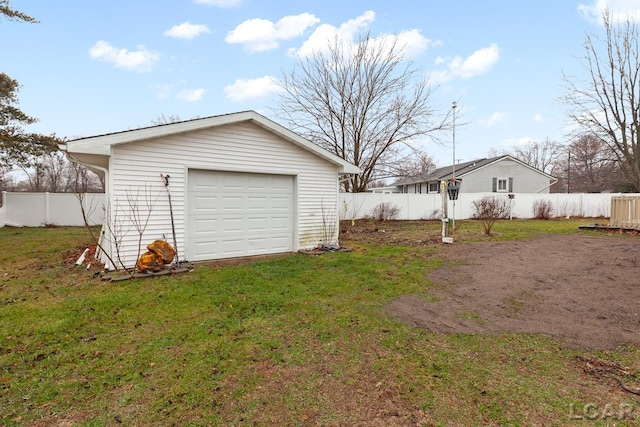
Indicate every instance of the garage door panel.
{"type": "Point", "coordinates": [257, 203]}
{"type": "Point", "coordinates": [232, 182]}
{"type": "Point", "coordinates": [236, 214]}
{"type": "Point", "coordinates": [257, 225]}
{"type": "Point", "coordinates": [232, 247]}
{"type": "Point", "coordinates": [200, 180]}
{"type": "Point", "coordinates": [257, 183]}
{"type": "Point", "coordinates": [281, 204]}
{"type": "Point", "coordinates": [280, 244]}
{"type": "Point", "coordinates": [206, 202]}
{"type": "Point", "coordinates": [279, 223]}
{"type": "Point", "coordinates": [232, 225]}
{"type": "Point", "coordinates": [232, 203]}
{"type": "Point", "coordinates": [206, 247]}
{"type": "Point", "coordinates": [280, 183]}
{"type": "Point", "coordinates": [258, 244]}
{"type": "Point", "coordinates": [205, 225]}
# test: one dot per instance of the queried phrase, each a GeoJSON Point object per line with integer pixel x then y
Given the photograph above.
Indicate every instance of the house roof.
{"type": "Point", "coordinates": [101, 144]}
{"type": "Point", "coordinates": [462, 169]}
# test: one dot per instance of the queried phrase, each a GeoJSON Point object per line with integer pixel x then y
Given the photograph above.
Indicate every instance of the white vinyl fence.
{"type": "Point", "coordinates": [429, 206]}
{"type": "Point", "coordinates": [40, 209]}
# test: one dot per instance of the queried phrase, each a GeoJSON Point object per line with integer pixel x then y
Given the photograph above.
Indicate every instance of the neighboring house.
{"type": "Point", "coordinates": [502, 174]}
{"type": "Point", "coordinates": [240, 185]}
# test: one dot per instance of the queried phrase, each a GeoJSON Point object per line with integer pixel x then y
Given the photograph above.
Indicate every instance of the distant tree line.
{"type": "Point", "coordinates": [585, 165]}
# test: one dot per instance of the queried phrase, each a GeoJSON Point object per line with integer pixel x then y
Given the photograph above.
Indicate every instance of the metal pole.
{"type": "Point", "coordinates": [165, 180]}
{"type": "Point", "coordinates": [569, 171]}
{"type": "Point", "coordinates": [453, 178]}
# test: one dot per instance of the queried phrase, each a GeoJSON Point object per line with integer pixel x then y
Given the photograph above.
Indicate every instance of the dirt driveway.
{"type": "Point", "coordinates": [582, 289]}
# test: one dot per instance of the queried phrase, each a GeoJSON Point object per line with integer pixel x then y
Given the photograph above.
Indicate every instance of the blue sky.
{"type": "Point", "coordinates": [93, 67]}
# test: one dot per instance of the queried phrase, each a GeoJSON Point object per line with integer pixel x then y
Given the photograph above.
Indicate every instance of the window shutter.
{"type": "Point", "coordinates": [510, 185]}
{"type": "Point", "coordinates": [495, 185]}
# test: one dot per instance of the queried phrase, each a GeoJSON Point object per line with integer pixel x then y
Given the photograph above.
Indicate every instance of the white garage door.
{"type": "Point", "coordinates": [233, 214]}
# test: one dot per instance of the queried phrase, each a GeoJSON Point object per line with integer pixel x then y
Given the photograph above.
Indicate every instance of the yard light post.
{"type": "Point", "coordinates": [453, 167]}
{"type": "Point", "coordinates": [451, 188]}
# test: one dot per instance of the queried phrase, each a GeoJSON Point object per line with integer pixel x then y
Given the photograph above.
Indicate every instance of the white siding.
{"type": "Point", "coordinates": [525, 180]}
{"type": "Point", "coordinates": [135, 169]}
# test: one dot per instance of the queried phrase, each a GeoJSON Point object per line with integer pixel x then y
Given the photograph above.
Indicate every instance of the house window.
{"type": "Point", "coordinates": [433, 187]}
{"type": "Point", "coordinates": [502, 185]}
{"type": "Point", "coordinates": [418, 188]}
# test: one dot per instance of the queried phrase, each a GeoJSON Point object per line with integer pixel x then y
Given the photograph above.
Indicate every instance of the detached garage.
{"type": "Point", "coordinates": [240, 185]}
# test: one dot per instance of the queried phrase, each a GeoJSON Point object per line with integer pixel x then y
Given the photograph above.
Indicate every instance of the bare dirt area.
{"type": "Point", "coordinates": [582, 289]}
{"type": "Point", "coordinates": [585, 290]}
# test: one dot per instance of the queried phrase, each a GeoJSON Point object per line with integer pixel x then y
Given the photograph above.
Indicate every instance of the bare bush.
{"type": "Point", "coordinates": [385, 211]}
{"type": "Point", "coordinates": [542, 209]}
{"type": "Point", "coordinates": [490, 209]}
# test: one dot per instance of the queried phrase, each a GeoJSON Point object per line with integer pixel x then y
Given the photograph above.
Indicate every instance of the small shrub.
{"type": "Point", "coordinates": [542, 209]}
{"type": "Point", "coordinates": [385, 211]}
{"type": "Point", "coordinates": [490, 209]}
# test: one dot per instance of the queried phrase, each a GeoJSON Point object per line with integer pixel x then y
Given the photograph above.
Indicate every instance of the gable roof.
{"type": "Point", "coordinates": [101, 144]}
{"type": "Point", "coordinates": [462, 169]}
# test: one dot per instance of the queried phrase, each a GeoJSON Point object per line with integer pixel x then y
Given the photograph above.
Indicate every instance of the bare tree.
{"type": "Point", "coordinates": [80, 179]}
{"type": "Point", "coordinates": [416, 163]}
{"type": "Point", "coordinates": [540, 155]}
{"type": "Point", "coordinates": [54, 173]}
{"type": "Point", "coordinates": [587, 166]}
{"type": "Point", "coordinates": [364, 103]}
{"type": "Point", "coordinates": [608, 105]}
{"type": "Point", "coordinates": [54, 166]}
{"type": "Point", "coordinates": [7, 181]}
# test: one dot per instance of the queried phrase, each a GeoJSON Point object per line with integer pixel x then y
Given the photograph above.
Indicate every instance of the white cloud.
{"type": "Point", "coordinates": [244, 89]}
{"type": "Point", "coordinates": [220, 3]}
{"type": "Point", "coordinates": [495, 119]}
{"type": "Point", "coordinates": [187, 30]}
{"type": "Point", "coordinates": [191, 95]}
{"type": "Point", "coordinates": [327, 33]}
{"type": "Point", "coordinates": [347, 33]}
{"type": "Point", "coordinates": [141, 60]}
{"type": "Point", "coordinates": [620, 10]}
{"type": "Point", "coordinates": [479, 62]}
{"type": "Point", "coordinates": [538, 118]}
{"type": "Point", "coordinates": [258, 35]}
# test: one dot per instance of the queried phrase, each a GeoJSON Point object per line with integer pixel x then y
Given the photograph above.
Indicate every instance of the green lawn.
{"type": "Point", "coordinates": [290, 340]}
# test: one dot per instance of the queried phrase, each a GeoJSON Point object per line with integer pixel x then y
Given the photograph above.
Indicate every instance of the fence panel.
{"type": "Point", "coordinates": [625, 212]}
{"type": "Point", "coordinates": [39, 209]}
